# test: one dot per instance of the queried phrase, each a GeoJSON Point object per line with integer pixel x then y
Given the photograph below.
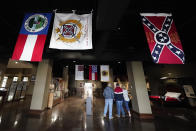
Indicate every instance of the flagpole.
{"type": "Point", "coordinates": [92, 11]}
{"type": "Point", "coordinates": [55, 10]}
{"type": "Point", "coordinates": [74, 11]}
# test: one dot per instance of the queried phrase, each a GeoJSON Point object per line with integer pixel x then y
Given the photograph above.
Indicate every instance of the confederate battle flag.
{"type": "Point", "coordinates": [163, 39]}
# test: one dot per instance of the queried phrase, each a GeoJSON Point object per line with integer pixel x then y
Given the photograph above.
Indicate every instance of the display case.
{"type": "Point", "coordinates": [56, 92]}
{"type": "Point", "coordinates": [17, 89]}
{"type": "Point", "coordinates": [3, 93]}
{"type": "Point", "coordinates": [12, 90]}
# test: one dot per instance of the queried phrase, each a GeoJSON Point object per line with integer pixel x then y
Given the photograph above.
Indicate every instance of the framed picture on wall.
{"type": "Point", "coordinates": [81, 84]}
{"type": "Point", "coordinates": [33, 78]}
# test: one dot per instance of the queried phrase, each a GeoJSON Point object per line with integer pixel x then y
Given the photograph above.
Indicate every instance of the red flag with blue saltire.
{"type": "Point", "coordinates": [92, 72]}
{"type": "Point", "coordinates": [163, 39]}
{"type": "Point", "coordinates": [32, 36]}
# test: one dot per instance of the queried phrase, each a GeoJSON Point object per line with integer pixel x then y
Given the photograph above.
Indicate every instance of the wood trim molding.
{"type": "Point", "coordinates": [57, 101]}
{"type": "Point", "coordinates": [35, 113]}
{"type": "Point", "coordinates": [142, 115]}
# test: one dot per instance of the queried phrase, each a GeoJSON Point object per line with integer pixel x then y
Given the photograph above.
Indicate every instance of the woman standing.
{"type": "Point", "coordinates": [126, 100]}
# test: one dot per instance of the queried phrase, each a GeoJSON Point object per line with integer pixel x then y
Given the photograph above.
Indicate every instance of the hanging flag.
{"type": "Point", "coordinates": [79, 72]}
{"type": "Point", "coordinates": [104, 70]}
{"type": "Point", "coordinates": [72, 32]}
{"type": "Point", "coordinates": [163, 39]}
{"type": "Point", "coordinates": [92, 72]}
{"type": "Point", "coordinates": [32, 36]}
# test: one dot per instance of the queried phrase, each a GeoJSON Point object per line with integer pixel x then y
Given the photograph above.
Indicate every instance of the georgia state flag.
{"type": "Point", "coordinates": [92, 72]}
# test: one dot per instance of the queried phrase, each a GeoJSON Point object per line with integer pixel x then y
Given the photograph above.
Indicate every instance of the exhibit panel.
{"type": "Point", "coordinates": [17, 90]}
{"type": "Point", "coordinates": [58, 90]}
{"type": "Point", "coordinates": [12, 91]}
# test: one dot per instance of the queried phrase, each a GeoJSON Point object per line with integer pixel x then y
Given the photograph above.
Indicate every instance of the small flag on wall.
{"type": "Point", "coordinates": [163, 40]}
{"type": "Point", "coordinates": [79, 72]}
{"type": "Point", "coordinates": [92, 72]}
{"type": "Point", "coordinates": [104, 70]}
{"type": "Point", "coordinates": [32, 36]}
{"type": "Point", "coordinates": [188, 89]}
{"type": "Point", "coordinates": [72, 31]}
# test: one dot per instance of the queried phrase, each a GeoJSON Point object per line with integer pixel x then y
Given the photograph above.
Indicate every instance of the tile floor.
{"type": "Point", "coordinates": [70, 116]}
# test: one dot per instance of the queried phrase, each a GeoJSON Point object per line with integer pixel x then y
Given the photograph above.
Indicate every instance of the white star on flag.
{"type": "Point", "coordinates": [154, 58]}
{"type": "Point", "coordinates": [170, 47]}
{"type": "Point", "coordinates": [158, 46]}
{"type": "Point", "coordinates": [161, 35]}
{"type": "Point", "coordinates": [162, 40]}
{"type": "Point", "coordinates": [178, 52]}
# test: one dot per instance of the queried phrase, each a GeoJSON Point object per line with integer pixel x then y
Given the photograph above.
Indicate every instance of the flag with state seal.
{"type": "Point", "coordinates": [163, 39]}
{"type": "Point", "coordinates": [32, 36]}
{"type": "Point", "coordinates": [72, 31]}
{"type": "Point", "coordinates": [104, 71]}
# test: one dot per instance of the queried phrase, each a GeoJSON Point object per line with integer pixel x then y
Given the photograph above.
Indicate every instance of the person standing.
{"type": "Point", "coordinates": [126, 100]}
{"type": "Point", "coordinates": [108, 94]}
{"type": "Point", "coordinates": [118, 96]}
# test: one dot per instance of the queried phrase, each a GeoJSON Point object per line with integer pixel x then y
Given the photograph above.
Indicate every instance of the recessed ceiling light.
{"type": "Point", "coordinates": [169, 74]}
{"type": "Point", "coordinates": [163, 78]}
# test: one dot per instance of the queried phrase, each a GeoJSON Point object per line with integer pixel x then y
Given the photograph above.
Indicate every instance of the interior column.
{"type": "Point", "coordinates": [140, 99]}
{"type": "Point", "coordinates": [111, 75]}
{"type": "Point", "coordinates": [41, 88]}
{"type": "Point", "coordinates": [3, 67]}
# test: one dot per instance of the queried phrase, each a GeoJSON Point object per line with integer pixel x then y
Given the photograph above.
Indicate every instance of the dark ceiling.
{"type": "Point", "coordinates": [118, 33]}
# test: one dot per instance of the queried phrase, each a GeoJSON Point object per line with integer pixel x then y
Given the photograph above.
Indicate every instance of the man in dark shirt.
{"type": "Point", "coordinates": [118, 96]}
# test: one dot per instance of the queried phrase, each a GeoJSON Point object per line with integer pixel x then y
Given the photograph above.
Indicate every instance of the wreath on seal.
{"type": "Point", "coordinates": [104, 73]}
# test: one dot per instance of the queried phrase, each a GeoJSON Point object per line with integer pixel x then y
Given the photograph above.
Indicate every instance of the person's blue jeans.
{"type": "Point", "coordinates": [126, 103]}
{"type": "Point", "coordinates": [108, 102]}
{"type": "Point", "coordinates": [120, 108]}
